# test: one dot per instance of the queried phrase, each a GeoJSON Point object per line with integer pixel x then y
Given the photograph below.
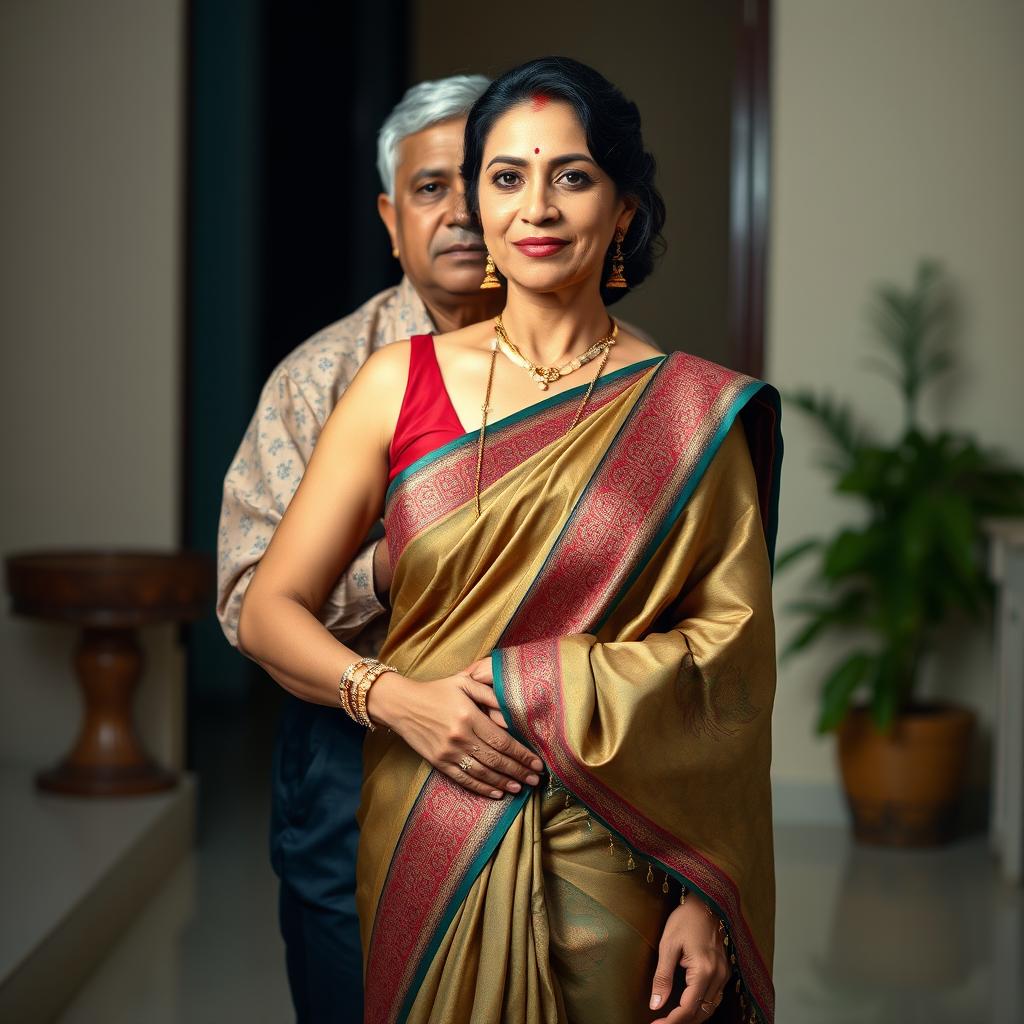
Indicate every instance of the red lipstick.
{"type": "Point", "coordinates": [538, 247]}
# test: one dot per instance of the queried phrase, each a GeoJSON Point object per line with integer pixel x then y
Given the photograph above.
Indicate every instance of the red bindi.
{"type": "Point", "coordinates": [536, 149]}
{"type": "Point", "coordinates": [539, 101]}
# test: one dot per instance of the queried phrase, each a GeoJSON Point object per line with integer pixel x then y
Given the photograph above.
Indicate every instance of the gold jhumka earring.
{"type": "Point", "coordinates": [617, 279]}
{"type": "Point", "coordinates": [490, 277]}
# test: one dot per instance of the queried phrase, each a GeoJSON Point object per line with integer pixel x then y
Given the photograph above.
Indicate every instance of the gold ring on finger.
{"type": "Point", "coordinates": [465, 763]}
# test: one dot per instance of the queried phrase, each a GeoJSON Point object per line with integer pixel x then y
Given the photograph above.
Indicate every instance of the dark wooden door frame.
{"type": "Point", "coordinates": [750, 162]}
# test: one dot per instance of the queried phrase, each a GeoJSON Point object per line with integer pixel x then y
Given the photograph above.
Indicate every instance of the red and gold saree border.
{"type": "Point", "coordinates": [447, 839]}
{"type": "Point", "coordinates": [635, 495]}
{"type": "Point", "coordinates": [443, 480]}
{"type": "Point", "coordinates": [528, 682]}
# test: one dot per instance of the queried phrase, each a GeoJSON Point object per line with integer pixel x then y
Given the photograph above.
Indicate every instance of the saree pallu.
{"type": "Point", "coordinates": [619, 577]}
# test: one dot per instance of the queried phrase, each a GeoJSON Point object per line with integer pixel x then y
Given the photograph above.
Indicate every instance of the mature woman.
{"type": "Point", "coordinates": [590, 572]}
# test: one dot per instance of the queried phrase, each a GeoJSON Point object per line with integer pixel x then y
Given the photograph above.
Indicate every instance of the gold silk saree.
{"type": "Point", "coordinates": [619, 576]}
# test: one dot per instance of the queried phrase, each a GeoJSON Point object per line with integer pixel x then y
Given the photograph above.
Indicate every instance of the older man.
{"type": "Point", "coordinates": [317, 757]}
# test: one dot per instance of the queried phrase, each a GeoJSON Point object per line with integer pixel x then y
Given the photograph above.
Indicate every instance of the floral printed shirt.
{"type": "Point", "coordinates": [265, 472]}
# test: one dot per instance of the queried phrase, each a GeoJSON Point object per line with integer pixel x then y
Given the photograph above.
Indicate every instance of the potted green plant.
{"type": "Point", "coordinates": [890, 584]}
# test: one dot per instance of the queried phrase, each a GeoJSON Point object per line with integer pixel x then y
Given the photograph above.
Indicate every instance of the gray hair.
{"type": "Point", "coordinates": [423, 105]}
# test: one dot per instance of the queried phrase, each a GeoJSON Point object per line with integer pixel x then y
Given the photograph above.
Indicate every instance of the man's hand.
{"type": "Point", "coordinates": [691, 940]}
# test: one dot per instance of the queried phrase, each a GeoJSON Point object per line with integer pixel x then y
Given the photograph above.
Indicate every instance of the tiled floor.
{"type": "Point", "coordinates": [864, 935]}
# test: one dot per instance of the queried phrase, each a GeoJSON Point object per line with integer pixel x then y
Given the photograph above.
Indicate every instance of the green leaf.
{"type": "Point", "coordinates": [838, 689]}
{"type": "Point", "coordinates": [846, 611]}
{"type": "Point", "coordinates": [835, 418]}
{"type": "Point", "coordinates": [885, 698]}
{"type": "Point", "coordinates": [957, 534]}
{"type": "Point", "coordinates": [795, 552]}
{"type": "Point", "coordinates": [804, 636]}
{"type": "Point", "coordinates": [916, 532]}
{"type": "Point", "coordinates": [848, 553]}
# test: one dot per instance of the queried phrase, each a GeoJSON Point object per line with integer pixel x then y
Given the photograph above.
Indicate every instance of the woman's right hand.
{"type": "Point", "coordinates": [444, 723]}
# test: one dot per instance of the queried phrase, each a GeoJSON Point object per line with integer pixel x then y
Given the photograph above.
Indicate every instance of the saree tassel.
{"type": "Point", "coordinates": [664, 885]}
{"type": "Point", "coordinates": [630, 864]}
{"type": "Point", "coordinates": [682, 897]}
{"type": "Point", "coordinates": [650, 875]}
{"type": "Point", "coordinates": [568, 799]}
{"type": "Point", "coordinates": [611, 845]}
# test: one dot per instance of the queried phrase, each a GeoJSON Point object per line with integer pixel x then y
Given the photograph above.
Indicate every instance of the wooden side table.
{"type": "Point", "coordinates": [109, 595]}
{"type": "Point", "coordinates": [1006, 566]}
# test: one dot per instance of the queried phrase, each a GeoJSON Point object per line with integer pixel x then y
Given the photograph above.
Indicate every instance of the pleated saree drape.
{"type": "Point", "coordinates": [619, 577]}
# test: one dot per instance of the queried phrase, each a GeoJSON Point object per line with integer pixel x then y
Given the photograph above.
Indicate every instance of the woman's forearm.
{"type": "Point", "coordinates": [441, 720]}
{"type": "Point", "coordinates": [291, 644]}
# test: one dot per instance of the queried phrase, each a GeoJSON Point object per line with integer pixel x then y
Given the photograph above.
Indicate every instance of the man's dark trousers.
{"type": "Point", "coordinates": [317, 773]}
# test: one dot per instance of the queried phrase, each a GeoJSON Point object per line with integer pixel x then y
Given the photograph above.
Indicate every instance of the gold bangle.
{"type": "Point", "coordinates": [343, 683]}
{"type": "Point", "coordinates": [376, 669]}
{"type": "Point", "coordinates": [361, 689]}
{"type": "Point", "coordinates": [359, 697]}
{"type": "Point", "coordinates": [354, 686]}
{"type": "Point", "coordinates": [341, 697]}
{"type": "Point", "coordinates": [348, 703]}
{"type": "Point", "coordinates": [345, 688]}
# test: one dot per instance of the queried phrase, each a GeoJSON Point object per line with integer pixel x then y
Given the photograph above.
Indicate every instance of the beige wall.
{"type": "Point", "coordinates": [678, 70]}
{"type": "Point", "coordinates": [90, 321]}
{"type": "Point", "coordinates": [897, 133]}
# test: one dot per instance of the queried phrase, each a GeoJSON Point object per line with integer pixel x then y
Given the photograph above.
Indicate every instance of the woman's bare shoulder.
{"type": "Point", "coordinates": [374, 396]}
{"type": "Point", "coordinates": [386, 365]}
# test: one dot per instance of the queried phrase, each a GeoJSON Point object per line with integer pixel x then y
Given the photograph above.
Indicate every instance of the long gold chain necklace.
{"type": "Point", "coordinates": [605, 344]}
{"type": "Point", "coordinates": [545, 375]}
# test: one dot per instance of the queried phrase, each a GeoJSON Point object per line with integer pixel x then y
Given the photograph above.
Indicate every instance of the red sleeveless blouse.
{"type": "Point", "coordinates": [427, 419]}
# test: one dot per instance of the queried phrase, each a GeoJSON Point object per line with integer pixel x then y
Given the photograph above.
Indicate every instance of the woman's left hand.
{"type": "Point", "coordinates": [691, 940]}
{"type": "Point", "coordinates": [482, 672]}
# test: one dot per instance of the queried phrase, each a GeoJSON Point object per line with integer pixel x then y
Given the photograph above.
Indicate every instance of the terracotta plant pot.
{"type": "Point", "coordinates": [903, 789]}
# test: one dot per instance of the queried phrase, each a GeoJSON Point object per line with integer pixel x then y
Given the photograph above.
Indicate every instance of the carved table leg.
{"type": "Point", "coordinates": [108, 759]}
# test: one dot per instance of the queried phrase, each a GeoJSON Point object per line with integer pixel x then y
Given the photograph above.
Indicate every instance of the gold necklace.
{"type": "Point", "coordinates": [545, 375]}
{"type": "Point", "coordinates": [487, 404]}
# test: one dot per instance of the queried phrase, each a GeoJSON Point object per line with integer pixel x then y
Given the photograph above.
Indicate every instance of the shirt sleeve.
{"type": "Point", "coordinates": [258, 485]}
